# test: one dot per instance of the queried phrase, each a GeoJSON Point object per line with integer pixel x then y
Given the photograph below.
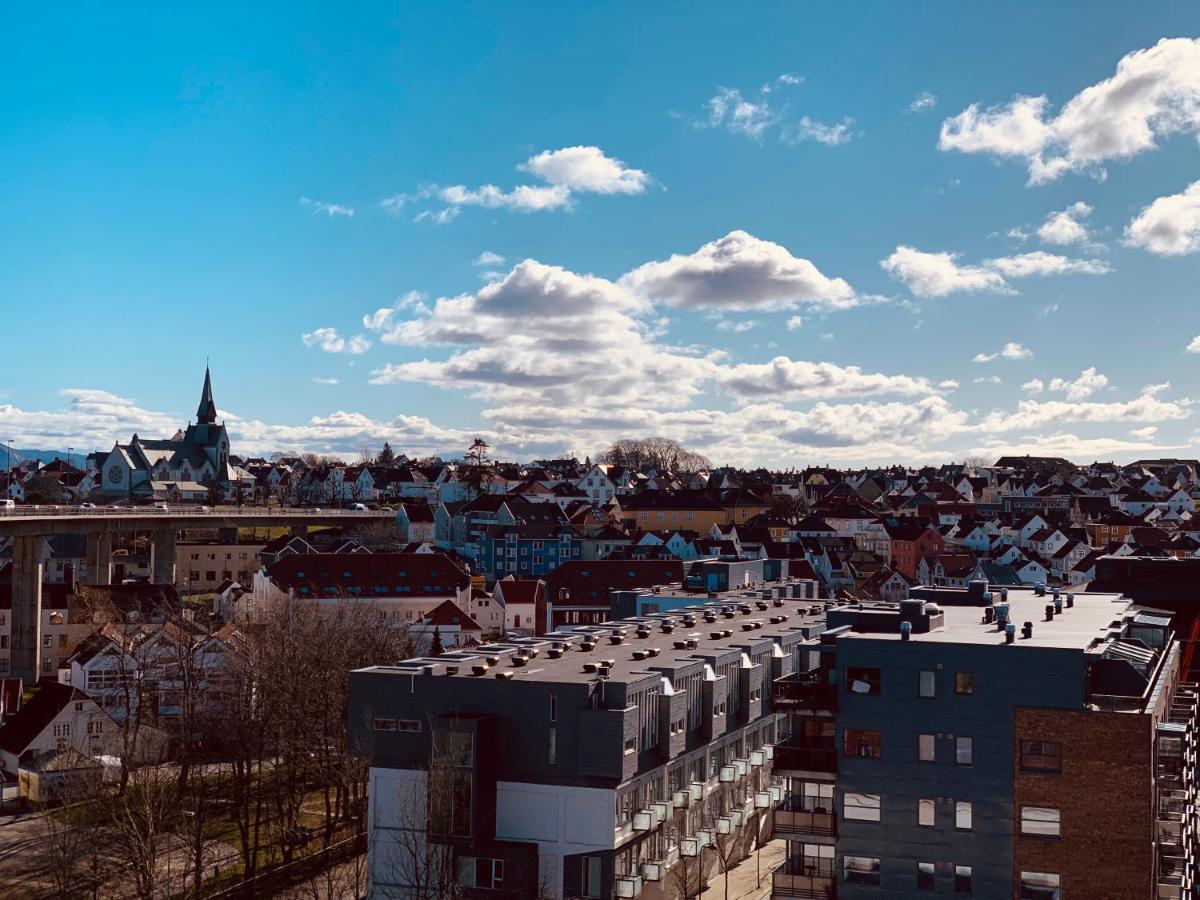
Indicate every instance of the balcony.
{"type": "Point", "coordinates": [801, 824]}
{"type": "Point", "coordinates": [804, 877]}
{"type": "Point", "coordinates": [800, 754]}
{"type": "Point", "coordinates": [804, 691]}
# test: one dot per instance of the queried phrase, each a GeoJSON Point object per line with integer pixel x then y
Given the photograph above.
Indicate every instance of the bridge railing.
{"type": "Point", "coordinates": [182, 509]}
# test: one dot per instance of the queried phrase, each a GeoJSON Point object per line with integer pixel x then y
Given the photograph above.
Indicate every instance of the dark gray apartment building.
{"type": "Point", "coordinates": [610, 760]}
{"type": "Point", "coordinates": [1023, 744]}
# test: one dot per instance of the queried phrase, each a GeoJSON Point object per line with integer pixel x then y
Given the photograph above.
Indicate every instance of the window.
{"type": "Point", "coordinates": [962, 815]}
{"type": "Point", "coordinates": [863, 680]}
{"type": "Point", "coordinates": [384, 725]}
{"type": "Point", "coordinates": [964, 682]}
{"type": "Point", "coordinates": [1041, 821]}
{"type": "Point", "coordinates": [410, 725]}
{"type": "Point", "coordinates": [63, 729]}
{"type": "Point", "coordinates": [630, 745]}
{"type": "Point", "coordinates": [926, 748]}
{"type": "Point", "coordinates": [962, 880]}
{"type": "Point", "coordinates": [1040, 886]}
{"type": "Point", "coordinates": [926, 814]}
{"type": "Point", "coordinates": [553, 707]}
{"type": "Point", "coordinates": [481, 873]}
{"type": "Point", "coordinates": [591, 876]}
{"type": "Point", "coordinates": [861, 743]}
{"type": "Point", "coordinates": [860, 807]}
{"type": "Point", "coordinates": [928, 683]}
{"type": "Point", "coordinates": [860, 869]}
{"type": "Point", "coordinates": [95, 728]}
{"type": "Point", "coordinates": [964, 750]}
{"type": "Point", "coordinates": [553, 746]}
{"type": "Point", "coordinates": [47, 640]}
{"type": "Point", "coordinates": [926, 876]}
{"type": "Point", "coordinates": [1041, 756]}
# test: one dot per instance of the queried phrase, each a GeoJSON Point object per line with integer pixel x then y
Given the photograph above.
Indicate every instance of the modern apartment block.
{"type": "Point", "coordinates": [1016, 744]}
{"type": "Point", "coordinates": [589, 762]}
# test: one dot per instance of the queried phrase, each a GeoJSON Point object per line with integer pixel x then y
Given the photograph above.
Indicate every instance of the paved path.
{"type": "Point", "coordinates": [743, 884]}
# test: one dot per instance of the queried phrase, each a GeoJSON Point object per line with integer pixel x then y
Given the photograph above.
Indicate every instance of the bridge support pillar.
{"type": "Point", "coordinates": [163, 552]}
{"type": "Point", "coordinates": [99, 557]}
{"type": "Point", "coordinates": [27, 607]}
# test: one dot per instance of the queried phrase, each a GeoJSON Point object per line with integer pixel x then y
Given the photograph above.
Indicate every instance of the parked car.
{"type": "Point", "coordinates": [358, 507]}
{"type": "Point", "coordinates": [86, 505]}
{"type": "Point", "coordinates": [7, 507]}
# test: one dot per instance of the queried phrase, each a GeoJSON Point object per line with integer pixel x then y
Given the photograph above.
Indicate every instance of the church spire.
{"type": "Point", "coordinates": [206, 414]}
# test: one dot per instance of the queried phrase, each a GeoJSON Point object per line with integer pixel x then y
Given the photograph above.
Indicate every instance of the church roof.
{"type": "Point", "coordinates": [206, 413]}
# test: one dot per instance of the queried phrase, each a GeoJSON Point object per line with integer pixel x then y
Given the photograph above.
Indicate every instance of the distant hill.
{"type": "Point", "coordinates": [19, 455]}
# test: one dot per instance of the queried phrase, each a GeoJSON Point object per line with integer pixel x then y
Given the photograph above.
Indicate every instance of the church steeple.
{"type": "Point", "coordinates": [206, 414]}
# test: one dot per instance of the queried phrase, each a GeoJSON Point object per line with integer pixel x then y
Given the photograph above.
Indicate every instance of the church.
{"type": "Point", "coordinates": [182, 467]}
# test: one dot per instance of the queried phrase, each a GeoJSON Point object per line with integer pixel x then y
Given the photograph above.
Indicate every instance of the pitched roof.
{"type": "Point", "coordinates": [30, 720]}
{"type": "Point", "coordinates": [365, 574]}
{"type": "Point", "coordinates": [449, 615]}
{"type": "Point", "coordinates": [587, 583]}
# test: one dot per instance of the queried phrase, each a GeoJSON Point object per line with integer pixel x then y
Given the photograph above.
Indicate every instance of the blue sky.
{"type": "Point", "coordinates": [783, 235]}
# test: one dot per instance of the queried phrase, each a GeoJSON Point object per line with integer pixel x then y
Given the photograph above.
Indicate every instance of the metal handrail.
{"type": "Point", "coordinates": [61, 511]}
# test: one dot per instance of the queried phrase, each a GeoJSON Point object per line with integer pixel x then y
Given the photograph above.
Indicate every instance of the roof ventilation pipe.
{"type": "Point", "coordinates": [905, 630]}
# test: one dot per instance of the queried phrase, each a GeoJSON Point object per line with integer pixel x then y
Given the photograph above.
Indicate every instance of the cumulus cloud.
{"type": "Point", "coordinates": [731, 110]}
{"type": "Point", "coordinates": [1088, 382]}
{"type": "Point", "coordinates": [923, 102]}
{"type": "Point", "coordinates": [939, 274]}
{"type": "Point", "coordinates": [328, 340]}
{"type": "Point", "coordinates": [732, 327]}
{"type": "Point", "coordinates": [488, 258]}
{"type": "Point", "coordinates": [785, 378]}
{"type": "Point", "coordinates": [739, 272]}
{"type": "Point", "coordinates": [1011, 351]}
{"type": "Point", "coordinates": [1153, 94]}
{"type": "Point", "coordinates": [1194, 345]}
{"type": "Point", "coordinates": [1065, 226]}
{"type": "Point", "coordinates": [324, 380]}
{"type": "Point", "coordinates": [728, 109]}
{"type": "Point", "coordinates": [1039, 262]}
{"type": "Point", "coordinates": [330, 209]}
{"type": "Point", "coordinates": [1034, 386]}
{"type": "Point", "coordinates": [987, 379]}
{"type": "Point", "coordinates": [1149, 406]}
{"type": "Point", "coordinates": [1170, 226]}
{"type": "Point", "coordinates": [1144, 434]}
{"type": "Point", "coordinates": [795, 322]}
{"type": "Point", "coordinates": [566, 173]}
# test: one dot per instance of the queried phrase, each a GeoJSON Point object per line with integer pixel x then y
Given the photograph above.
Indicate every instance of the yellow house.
{"type": "Point", "coordinates": [658, 511]}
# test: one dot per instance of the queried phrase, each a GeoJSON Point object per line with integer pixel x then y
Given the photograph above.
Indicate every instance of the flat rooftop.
{"type": "Point", "coordinates": [742, 628]}
{"type": "Point", "coordinates": [1075, 628]}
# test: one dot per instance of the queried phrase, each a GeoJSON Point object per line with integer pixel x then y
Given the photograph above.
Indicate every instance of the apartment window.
{"type": "Point", "coordinates": [554, 707]}
{"type": "Point", "coordinates": [963, 815]}
{"type": "Point", "coordinates": [477, 872]}
{"type": "Point", "coordinates": [1041, 756]}
{"type": "Point", "coordinates": [962, 880]}
{"type": "Point", "coordinates": [865, 744]}
{"type": "Point", "coordinates": [860, 807]}
{"type": "Point", "coordinates": [63, 729]}
{"type": "Point", "coordinates": [410, 725]}
{"type": "Point", "coordinates": [630, 745]}
{"type": "Point", "coordinates": [95, 728]}
{"type": "Point", "coordinates": [591, 876]}
{"type": "Point", "coordinates": [864, 680]}
{"type": "Point", "coordinates": [1041, 821]}
{"type": "Point", "coordinates": [1040, 886]}
{"type": "Point", "coordinates": [928, 683]}
{"type": "Point", "coordinates": [964, 751]}
{"type": "Point", "coordinates": [926, 814]}
{"type": "Point", "coordinates": [964, 682]}
{"type": "Point", "coordinates": [553, 746]}
{"type": "Point", "coordinates": [926, 748]}
{"type": "Point", "coordinates": [926, 876]}
{"type": "Point", "coordinates": [384, 725]}
{"type": "Point", "coordinates": [47, 640]}
{"type": "Point", "coordinates": [860, 869]}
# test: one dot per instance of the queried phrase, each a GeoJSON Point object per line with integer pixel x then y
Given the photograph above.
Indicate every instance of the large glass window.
{"type": "Point", "coordinates": [962, 880]}
{"type": "Point", "coordinates": [926, 748]}
{"type": "Point", "coordinates": [860, 807]}
{"type": "Point", "coordinates": [926, 813]}
{"type": "Point", "coordinates": [591, 876]}
{"type": "Point", "coordinates": [963, 815]}
{"type": "Point", "coordinates": [964, 751]}
{"type": "Point", "coordinates": [926, 876]}
{"type": "Point", "coordinates": [1041, 821]}
{"type": "Point", "coordinates": [862, 743]}
{"type": "Point", "coordinates": [928, 682]}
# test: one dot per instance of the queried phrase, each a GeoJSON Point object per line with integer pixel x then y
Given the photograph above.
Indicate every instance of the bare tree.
{"type": "Point", "coordinates": [661, 454]}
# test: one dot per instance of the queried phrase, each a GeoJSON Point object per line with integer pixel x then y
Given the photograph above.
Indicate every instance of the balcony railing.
{"type": "Point", "coordinates": [811, 879]}
{"type": "Point", "coordinates": [806, 755]}
{"type": "Point", "coordinates": [799, 821]}
{"type": "Point", "coordinates": [804, 690]}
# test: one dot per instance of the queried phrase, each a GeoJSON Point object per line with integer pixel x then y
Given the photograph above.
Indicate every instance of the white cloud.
{"type": "Point", "coordinates": [330, 209]}
{"type": "Point", "coordinates": [939, 274]}
{"type": "Point", "coordinates": [324, 380]}
{"type": "Point", "coordinates": [1088, 382]}
{"type": "Point", "coordinates": [1194, 345]}
{"type": "Point", "coordinates": [1154, 93]}
{"type": "Point", "coordinates": [987, 379]}
{"type": "Point", "coordinates": [328, 340]}
{"type": "Point", "coordinates": [730, 326]}
{"type": "Point", "coordinates": [1031, 414]}
{"type": "Point", "coordinates": [1144, 434]}
{"type": "Point", "coordinates": [586, 170]}
{"type": "Point", "coordinates": [1039, 262]}
{"type": "Point", "coordinates": [1034, 386]}
{"type": "Point", "coordinates": [948, 385]}
{"type": "Point", "coordinates": [728, 109]}
{"type": "Point", "coordinates": [1170, 226]}
{"type": "Point", "coordinates": [923, 102]}
{"type": "Point", "coordinates": [740, 272]}
{"type": "Point", "coordinates": [1064, 227]}
{"type": "Point", "coordinates": [784, 378]}
{"type": "Point", "coordinates": [1047, 311]}
{"type": "Point", "coordinates": [488, 258]}
{"type": "Point", "coordinates": [1011, 351]}
{"type": "Point", "coordinates": [795, 322]}
{"type": "Point", "coordinates": [567, 172]}
{"type": "Point", "coordinates": [806, 129]}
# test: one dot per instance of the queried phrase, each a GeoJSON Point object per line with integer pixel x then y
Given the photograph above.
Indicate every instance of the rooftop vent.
{"type": "Point", "coordinates": [761, 605]}
{"type": "Point", "coordinates": [493, 660]}
{"type": "Point", "coordinates": [643, 632]}
{"type": "Point", "coordinates": [1070, 600]}
{"type": "Point", "coordinates": [479, 670]}
{"type": "Point", "coordinates": [667, 627]}
{"type": "Point", "coordinates": [519, 661]}
{"type": "Point", "coordinates": [681, 645]}
{"type": "Point", "coordinates": [639, 655]}
{"type": "Point", "coordinates": [589, 667]}
{"type": "Point", "coordinates": [778, 602]}
{"type": "Point", "coordinates": [616, 638]}
{"type": "Point", "coordinates": [554, 653]}
{"type": "Point", "coordinates": [1010, 633]}
{"type": "Point", "coordinates": [504, 676]}
{"type": "Point", "coordinates": [653, 651]}
{"type": "Point", "coordinates": [587, 646]}
{"type": "Point", "coordinates": [1027, 630]}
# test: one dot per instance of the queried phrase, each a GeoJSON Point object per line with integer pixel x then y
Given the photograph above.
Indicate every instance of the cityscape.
{"type": "Point", "coordinates": [587, 452]}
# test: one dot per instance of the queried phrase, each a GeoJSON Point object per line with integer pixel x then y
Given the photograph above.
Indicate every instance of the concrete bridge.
{"type": "Point", "coordinates": [27, 525]}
